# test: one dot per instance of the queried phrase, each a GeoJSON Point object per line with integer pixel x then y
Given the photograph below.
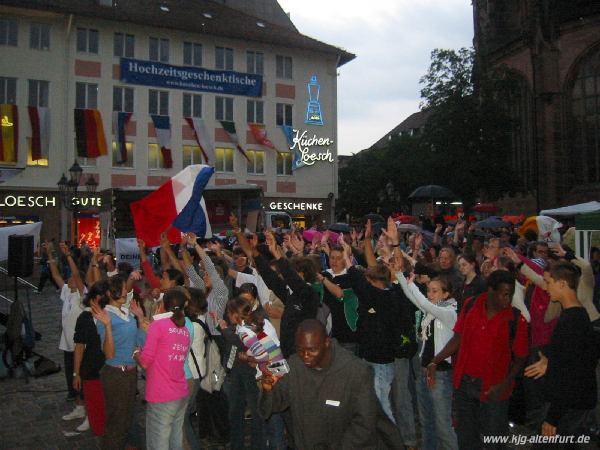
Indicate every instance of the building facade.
{"type": "Point", "coordinates": [69, 55]}
{"type": "Point", "coordinates": [552, 49]}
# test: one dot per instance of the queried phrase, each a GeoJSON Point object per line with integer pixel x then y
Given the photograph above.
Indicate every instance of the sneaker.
{"type": "Point", "coordinates": [77, 413]}
{"type": "Point", "coordinates": [84, 426]}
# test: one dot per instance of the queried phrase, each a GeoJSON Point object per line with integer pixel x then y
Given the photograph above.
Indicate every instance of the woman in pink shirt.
{"type": "Point", "coordinates": [163, 356]}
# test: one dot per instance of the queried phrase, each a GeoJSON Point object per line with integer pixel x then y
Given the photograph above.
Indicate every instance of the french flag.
{"type": "Point", "coordinates": [175, 207]}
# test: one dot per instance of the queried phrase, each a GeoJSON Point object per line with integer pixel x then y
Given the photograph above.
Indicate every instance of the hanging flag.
{"type": "Point", "coordinates": [202, 137]}
{"type": "Point", "coordinates": [229, 127]}
{"type": "Point", "coordinates": [260, 134]}
{"type": "Point", "coordinates": [175, 207]}
{"type": "Point", "coordinates": [40, 131]}
{"type": "Point", "coordinates": [9, 139]}
{"type": "Point", "coordinates": [162, 125]}
{"type": "Point", "coordinates": [89, 133]}
{"type": "Point", "coordinates": [288, 131]}
{"type": "Point", "coordinates": [120, 120]}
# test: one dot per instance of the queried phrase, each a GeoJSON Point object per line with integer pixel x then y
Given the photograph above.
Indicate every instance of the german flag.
{"type": "Point", "coordinates": [89, 134]}
{"type": "Point", "coordinates": [9, 138]}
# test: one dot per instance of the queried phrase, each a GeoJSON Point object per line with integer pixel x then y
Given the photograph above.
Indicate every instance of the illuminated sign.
{"type": "Point", "coordinates": [6, 122]}
{"type": "Point", "coordinates": [44, 201]}
{"type": "Point", "coordinates": [313, 107]}
{"type": "Point", "coordinates": [299, 206]}
{"type": "Point", "coordinates": [304, 155]}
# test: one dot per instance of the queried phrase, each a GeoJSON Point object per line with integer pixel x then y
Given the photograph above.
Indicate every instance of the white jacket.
{"type": "Point", "coordinates": [445, 316]}
{"type": "Point", "coordinates": [197, 346]}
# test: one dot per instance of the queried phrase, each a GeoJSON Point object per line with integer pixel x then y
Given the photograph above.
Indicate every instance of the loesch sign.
{"type": "Point", "coordinates": [296, 206]}
{"type": "Point", "coordinates": [150, 73]}
{"type": "Point", "coordinates": [304, 145]}
{"type": "Point", "coordinates": [45, 201]}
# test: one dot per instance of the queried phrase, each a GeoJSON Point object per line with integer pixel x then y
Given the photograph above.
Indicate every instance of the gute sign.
{"type": "Point", "coordinates": [45, 201]}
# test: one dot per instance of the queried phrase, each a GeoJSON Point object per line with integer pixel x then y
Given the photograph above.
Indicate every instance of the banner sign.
{"type": "Point", "coordinates": [127, 250]}
{"type": "Point", "coordinates": [152, 73]}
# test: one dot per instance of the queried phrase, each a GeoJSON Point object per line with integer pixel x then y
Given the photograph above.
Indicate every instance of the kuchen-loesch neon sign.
{"type": "Point", "coordinates": [302, 146]}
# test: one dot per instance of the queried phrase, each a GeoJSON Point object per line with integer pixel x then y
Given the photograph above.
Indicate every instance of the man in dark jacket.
{"type": "Point", "coordinates": [330, 395]}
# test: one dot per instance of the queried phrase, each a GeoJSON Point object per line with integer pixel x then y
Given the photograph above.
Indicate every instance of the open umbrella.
{"type": "Point", "coordinates": [374, 218]}
{"type": "Point", "coordinates": [404, 227]}
{"type": "Point", "coordinates": [340, 227]}
{"type": "Point", "coordinates": [492, 222]}
{"type": "Point", "coordinates": [432, 192]}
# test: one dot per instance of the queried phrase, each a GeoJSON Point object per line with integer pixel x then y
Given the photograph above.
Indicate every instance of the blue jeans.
{"type": "Point", "coordinates": [384, 376]}
{"type": "Point", "coordinates": [403, 401]}
{"type": "Point", "coordinates": [275, 432]}
{"type": "Point", "coordinates": [241, 390]}
{"type": "Point", "coordinates": [190, 441]}
{"type": "Point", "coordinates": [164, 425]}
{"type": "Point", "coordinates": [435, 411]}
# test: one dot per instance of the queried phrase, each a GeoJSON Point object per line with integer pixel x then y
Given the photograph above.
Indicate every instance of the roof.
{"type": "Point", "coordinates": [197, 16]}
{"type": "Point", "coordinates": [413, 122]}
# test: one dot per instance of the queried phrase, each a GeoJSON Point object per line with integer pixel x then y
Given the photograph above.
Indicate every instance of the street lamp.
{"type": "Point", "coordinates": [68, 188]}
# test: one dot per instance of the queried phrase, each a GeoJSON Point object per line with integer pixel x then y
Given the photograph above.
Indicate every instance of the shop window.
{"type": "Point", "coordinates": [224, 159]}
{"type": "Point", "coordinates": [124, 45]}
{"type": "Point", "coordinates": [122, 99]}
{"type": "Point", "coordinates": [192, 54]}
{"type": "Point", "coordinates": [191, 155]}
{"type": "Point", "coordinates": [255, 111]}
{"type": "Point", "coordinates": [192, 105]}
{"type": "Point", "coordinates": [284, 163]}
{"type": "Point", "coordinates": [38, 93]}
{"type": "Point", "coordinates": [224, 108]}
{"type": "Point", "coordinates": [256, 162]}
{"type": "Point", "coordinates": [39, 36]}
{"type": "Point", "coordinates": [283, 67]}
{"type": "Point", "coordinates": [86, 96]}
{"type": "Point", "coordinates": [224, 58]}
{"type": "Point", "coordinates": [9, 31]}
{"type": "Point", "coordinates": [255, 62]}
{"type": "Point", "coordinates": [116, 155]}
{"type": "Point", "coordinates": [8, 91]}
{"type": "Point", "coordinates": [158, 102]}
{"type": "Point", "coordinates": [87, 40]}
{"type": "Point", "coordinates": [42, 162]}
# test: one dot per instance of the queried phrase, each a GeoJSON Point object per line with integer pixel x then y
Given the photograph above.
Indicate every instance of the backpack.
{"type": "Point", "coordinates": [215, 373]}
{"type": "Point", "coordinates": [512, 324]}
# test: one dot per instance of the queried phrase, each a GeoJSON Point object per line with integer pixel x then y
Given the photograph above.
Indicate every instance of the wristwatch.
{"type": "Point", "coordinates": [75, 374]}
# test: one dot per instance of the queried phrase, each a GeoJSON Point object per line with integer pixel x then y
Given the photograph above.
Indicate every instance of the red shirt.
{"type": "Point", "coordinates": [484, 351]}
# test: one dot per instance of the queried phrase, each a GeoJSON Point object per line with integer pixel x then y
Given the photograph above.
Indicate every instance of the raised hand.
{"type": "Point", "coordinates": [164, 239]}
{"type": "Point", "coordinates": [511, 254]}
{"type": "Point", "coordinates": [368, 230]}
{"type": "Point", "coordinates": [392, 231]}
{"type": "Point", "coordinates": [141, 245]}
{"type": "Point", "coordinates": [191, 238]}
{"type": "Point", "coordinates": [438, 228]}
{"type": "Point", "coordinates": [418, 242]}
{"type": "Point", "coordinates": [99, 313]}
{"type": "Point", "coordinates": [64, 248]}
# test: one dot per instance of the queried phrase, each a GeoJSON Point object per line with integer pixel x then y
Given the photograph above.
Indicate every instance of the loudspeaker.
{"type": "Point", "coordinates": [20, 255]}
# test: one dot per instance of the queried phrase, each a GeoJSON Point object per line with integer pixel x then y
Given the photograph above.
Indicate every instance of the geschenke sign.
{"type": "Point", "coordinates": [310, 149]}
{"type": "Point", "coordinates": [296, 206]}
{"type": "Point", "coordinates": [151, 73]}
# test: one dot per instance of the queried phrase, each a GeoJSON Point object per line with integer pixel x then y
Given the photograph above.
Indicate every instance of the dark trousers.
{"type": "Point", "coordinates": [119, 392]}
{"type": "Point", "coordinates": [69, 368]}
{"type": "Point", "coordinates": [213, 418]}
{"type": "Point", "coordinates": [572, 423]}
{"type": "Point", "coordinates": [474, 418]}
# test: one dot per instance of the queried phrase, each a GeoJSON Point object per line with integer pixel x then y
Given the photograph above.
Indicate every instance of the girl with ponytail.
{"type": "Point", "coordinates": [163, 357]}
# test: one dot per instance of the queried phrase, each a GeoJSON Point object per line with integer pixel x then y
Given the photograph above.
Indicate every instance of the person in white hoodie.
{"type": "Point", "coordinates": [434, 400]}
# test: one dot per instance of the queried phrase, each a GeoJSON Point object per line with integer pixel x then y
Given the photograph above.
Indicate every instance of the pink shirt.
{"type": "Point", "coordinates": [163, 357]}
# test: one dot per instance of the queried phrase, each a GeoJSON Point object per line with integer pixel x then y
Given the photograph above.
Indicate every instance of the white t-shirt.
{"type": "Point", "coordinates": [71, 309]}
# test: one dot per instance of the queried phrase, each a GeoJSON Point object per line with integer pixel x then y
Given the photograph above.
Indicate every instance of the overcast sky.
{"type": "Point", "coordinates": [392, 40]}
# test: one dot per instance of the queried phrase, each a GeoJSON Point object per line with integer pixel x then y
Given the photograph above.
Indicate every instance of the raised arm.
{"type": "Point", "coordinates": [151, 278]}
{"type": "Point", "coordinates": [56, 276]}
{"type": "Point", "coordinates": [73, 267]}
{"type": "Point", "coordinates": [369, 252]}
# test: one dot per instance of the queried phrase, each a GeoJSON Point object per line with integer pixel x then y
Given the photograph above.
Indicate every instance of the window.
{"type": "Point", "coordinates": [115, 155]}
{"type": "Point", "coordinates": [86, 96]}
{"type": "Point", "coordinates": [224, 108]}
{"type": "Point", "coordinates": [191, 155]}
{"type": "Point", "coordinates": [43, 162]}
{"type": "Point", "coordinates": [122, 99]}
{"type": "Point", "coordinates": [124, 45]}
{"type": "Point", "coordinates": [192, 105]}
{"type": "Point", "coordinates": [158, 102]}
{"type": "Point", "coordinates": [39, 36]}
{"type": "Point", "coordinates": [155, 158]}
{"type": "Point", "coordinates": [38, 93]}
{"type": "Point", "coordinates": [256, 162]}
{"type": "Point", "coordinates": [192, 54]}
{"type": "Point", "coordinates": [159, 50]}
{"type": "Point", "coordinates": [255, 62]}
{"type": "Point", "coordinates": [224, 159]}
{"type": "Point", "coordinates": [224, 58]}
{"type": "Point", "coordinates": [254, 111]}
{"type": "Point", "coordinates": [283, 114]}
{"type": "Point", "coordinates": [284, 163]}
{"type": "Point", "coordinates": [8, 91]}
{"type": "Point", "coordinates": [8, 32]}
{"type": "Point", "coordinates": [87, 40]}
{"type": "Point", "coordinates": [283, 66]}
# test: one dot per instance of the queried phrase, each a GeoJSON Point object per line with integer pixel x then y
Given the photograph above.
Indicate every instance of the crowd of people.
{"type": "Point", "coordinates": [380, 338]}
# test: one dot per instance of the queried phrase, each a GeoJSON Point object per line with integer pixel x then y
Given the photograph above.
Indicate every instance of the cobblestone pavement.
{"type": "Point", "coordinates": [31, 412]}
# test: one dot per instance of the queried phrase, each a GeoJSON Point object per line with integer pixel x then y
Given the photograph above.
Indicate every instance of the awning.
{"type": "Point", "coordinates": [572, 210]}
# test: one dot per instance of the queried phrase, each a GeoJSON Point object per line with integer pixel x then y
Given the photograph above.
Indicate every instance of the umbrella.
{"type": "Point", "coordinates": [340, 227]}
{"type": "Point", "coordinates": [374, 218]}
{"type": "Point", "coordinates": [404, 227]}
{"type": "Point", "coordinates": [404, 218]}
{"type": "Point", "coordinates": [431, 192]}
{"type": "Point", "coordinates": [492, 222]}
{"type": "Point", "coordinates": [486, 208]}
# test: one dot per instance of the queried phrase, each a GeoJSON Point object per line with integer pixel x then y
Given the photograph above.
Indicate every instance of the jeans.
{"type": "Point", "coordinates": [384, 376]}
{"type": "Point", "coordinates": [241, 390]}
{"type": "Point", "coordinates": [164, 424]}
{"type": "Point", "coordinates": [190, 440]}
{"type": "Point", "coordinates": [435, 411]}
{"type": "Point", "coordinates": [403, 401]}
{"type": "Point", "coordinates": [475, 418]}
{"type": "Point", "coordinates": [275, 432]}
